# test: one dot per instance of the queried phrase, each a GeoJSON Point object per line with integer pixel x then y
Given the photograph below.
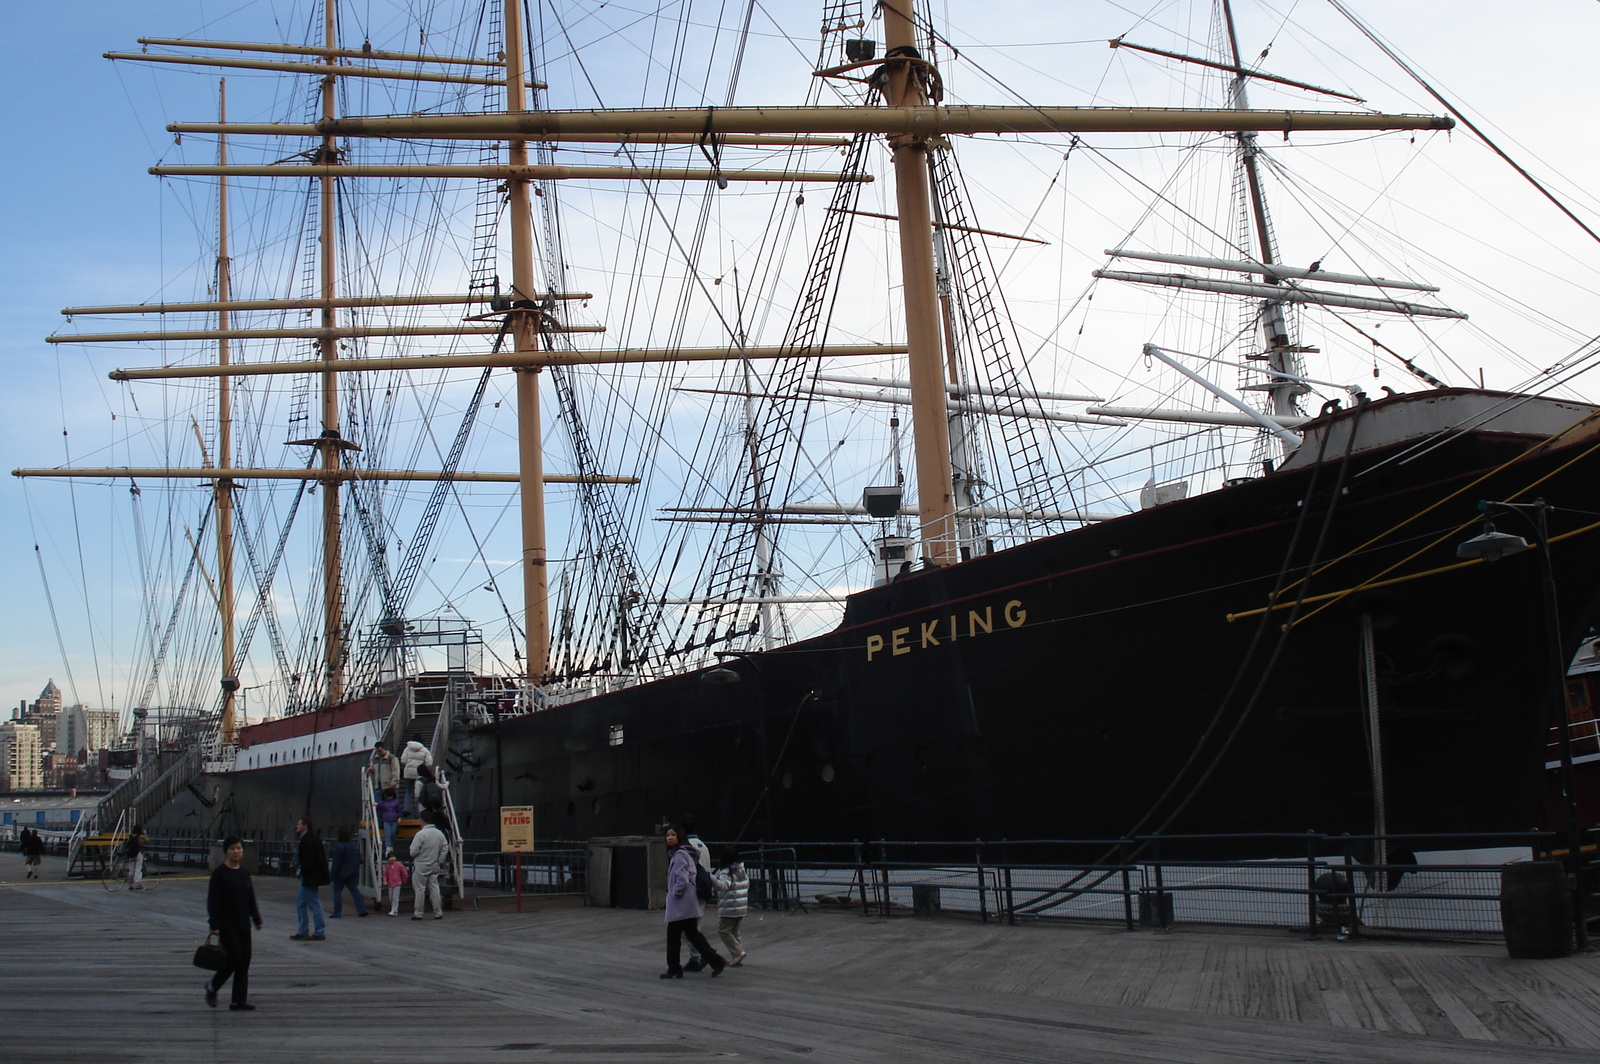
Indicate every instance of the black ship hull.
{"type": "Point", "coordinates": [1121, 678]}
{"type": "Point", "coordinates": [1113, 679]}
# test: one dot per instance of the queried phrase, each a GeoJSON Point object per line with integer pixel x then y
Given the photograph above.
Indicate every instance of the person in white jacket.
{"type": "Point", "coordinates": [412, 758]}
{"type": "Point", "coordinates": [428, 849]}
{"type": "Point", "coordinates": [733, 901]}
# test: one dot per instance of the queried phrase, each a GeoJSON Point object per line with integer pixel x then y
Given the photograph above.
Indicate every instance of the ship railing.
{"type": "Point", "coordinates": [1585, 740]}
{"type": "Point", "coordinates": [554, 869]}
{"type": "Point", "coordinates": [453, 875]}
{"type": "Point", "coordinates": [1439, 885]}
{"type": "Point", "coordinates": [219, 757]}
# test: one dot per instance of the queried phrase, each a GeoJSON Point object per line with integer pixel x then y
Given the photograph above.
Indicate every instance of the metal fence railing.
{"type": "Point", "coordinates": [1414, 886]}
{"type": "Point", "coordinates": [1422, 885]}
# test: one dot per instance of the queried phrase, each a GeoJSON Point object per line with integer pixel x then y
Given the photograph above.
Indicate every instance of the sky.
{"type": "Point", "coordinates": [81, 222]}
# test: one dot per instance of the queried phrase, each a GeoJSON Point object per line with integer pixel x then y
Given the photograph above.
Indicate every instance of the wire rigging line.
{"type": "Point", "coordinates": [1462, 118]}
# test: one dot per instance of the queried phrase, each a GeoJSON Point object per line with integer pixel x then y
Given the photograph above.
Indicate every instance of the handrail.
{"type": "Point", "coordinates": [454, 837]}
{"type": "Point", "coordinates": [441, 748]}
{"type": "Point", "coordinates": [371, 849]}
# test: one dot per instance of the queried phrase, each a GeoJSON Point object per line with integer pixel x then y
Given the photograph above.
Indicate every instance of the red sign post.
{"type": "Point", "coordinates": [516, 836]}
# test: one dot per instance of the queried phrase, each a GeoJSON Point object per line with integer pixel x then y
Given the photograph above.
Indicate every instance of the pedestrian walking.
{"type": "Point", "coordinates": [311, 926]}
{"type": "Point", "coordinates": [684, 908]}
{"type": "Point", "coordinates": [32, 852]}
{"type": "Point", "coordinates": [733, 901]}
{"type": "Point", "coordinates": [394, 877]}
{"type": "Point", "coordinates": [134, 849]}
{"type": "Point", "coordinates": [346, 874]}
{"type": "Point", "coordinates": [230, 910]}
{"type": "Point", "coordinates": [428, 849]}
{"type": "Point", "coordinates": [702, 856]}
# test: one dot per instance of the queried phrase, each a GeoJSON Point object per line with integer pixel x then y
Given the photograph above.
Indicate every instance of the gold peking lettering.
{"type": "Point", "coordinates": [934, 632]}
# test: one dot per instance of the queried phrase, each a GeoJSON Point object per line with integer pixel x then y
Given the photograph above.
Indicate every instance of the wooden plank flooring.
{"type": "Point", "coordinates": [105, 978]}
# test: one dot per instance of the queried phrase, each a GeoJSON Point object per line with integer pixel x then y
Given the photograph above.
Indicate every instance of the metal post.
{"type": "Point", "coordinates": [983, 898]}
{"type": "Point", "coordinates": [1558, 668]}
{"type": "Point", "coordinates": [1311, 880]}
{"type": "Point", "coordinates": [1127, 884]}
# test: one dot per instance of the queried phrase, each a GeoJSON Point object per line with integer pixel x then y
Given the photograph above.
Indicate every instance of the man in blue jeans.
{"type": "Point", "coordinates": [313, 875]}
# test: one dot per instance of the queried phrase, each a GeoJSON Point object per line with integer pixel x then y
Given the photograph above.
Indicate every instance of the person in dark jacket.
{"type": "Point", "coordinates": [230, 910]}
{"type": "Point", "coordinates": [430, 797]}
{"type": "Point", "coordinates": [345, 873]}
{"type": "Point", "coordinates": [313, 926]}
{"type": "Point", "coordinates": [32, 852]}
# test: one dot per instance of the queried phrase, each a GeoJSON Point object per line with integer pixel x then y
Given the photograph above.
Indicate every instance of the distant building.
{"type": "Point", "coordinates": [43, 714]}
{"type": "Point", "coordinates": [81, 731]}
{"type": "Point", "coordinates": [63, 772]}
{"type": "Point", "coordinates": [49, 698]}
{"type": "Point", "coordinates": [53, 815]}
{"type": "Point", "coordinates": [20, 757]}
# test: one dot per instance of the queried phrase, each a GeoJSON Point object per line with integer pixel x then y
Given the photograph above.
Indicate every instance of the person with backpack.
{"type": "Point", "coordinates": [684, 907]}
{"type": "Point", "coordinates": [703, 885]}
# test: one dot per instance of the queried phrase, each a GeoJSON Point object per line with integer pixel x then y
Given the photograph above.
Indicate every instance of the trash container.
{"type": "Point", "coordinates": [1536, 909]}
{"type": "Point", "coordinates": [628, 872]}
{"type": "Point", "coordinates": [1155, 908]}
{"type": "Point", "coordinates": [924, 900]}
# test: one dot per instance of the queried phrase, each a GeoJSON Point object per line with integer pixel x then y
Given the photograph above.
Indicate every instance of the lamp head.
{"type": "Point", "coordinates": [1491, 546]}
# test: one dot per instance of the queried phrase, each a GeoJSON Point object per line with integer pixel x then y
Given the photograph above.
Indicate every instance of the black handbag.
{"type": "Point", "coordinates": [210, 956]}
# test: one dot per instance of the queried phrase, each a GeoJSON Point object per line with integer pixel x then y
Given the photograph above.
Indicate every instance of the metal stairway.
{"type": "Point", "coordinates": [135, 800]}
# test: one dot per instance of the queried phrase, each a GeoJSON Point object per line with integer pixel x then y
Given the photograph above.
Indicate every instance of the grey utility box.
{"type": "Point", "coordinates": [628, 872]}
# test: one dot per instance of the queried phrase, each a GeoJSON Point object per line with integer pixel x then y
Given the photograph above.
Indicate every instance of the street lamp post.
{"type": "Point", "coordinates": [723, 675]}
{"type": "Point", "coordinates": [1492, 545]}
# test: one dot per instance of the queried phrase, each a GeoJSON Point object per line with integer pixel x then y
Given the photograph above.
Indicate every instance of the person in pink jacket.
{"type": "Point", "coordinates": [394, 877]}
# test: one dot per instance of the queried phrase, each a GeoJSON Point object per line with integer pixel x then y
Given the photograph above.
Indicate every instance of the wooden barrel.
{"type": "Point", "coordinates": [1536, 909]}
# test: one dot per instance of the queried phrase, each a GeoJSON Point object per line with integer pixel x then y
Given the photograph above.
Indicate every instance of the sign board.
{"type": "Point", "coordinates": [516, 828]}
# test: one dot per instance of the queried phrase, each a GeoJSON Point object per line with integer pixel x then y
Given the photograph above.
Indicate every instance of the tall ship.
{"type": "Point", "coordinates": [687, 412]}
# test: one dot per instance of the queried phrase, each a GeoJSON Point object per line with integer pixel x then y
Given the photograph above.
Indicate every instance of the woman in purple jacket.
{"type": "Point", "coordinates": [683, 907]}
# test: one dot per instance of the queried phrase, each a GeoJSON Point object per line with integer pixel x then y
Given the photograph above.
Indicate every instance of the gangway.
{"type": "Point", "coordinates": [372, 845]}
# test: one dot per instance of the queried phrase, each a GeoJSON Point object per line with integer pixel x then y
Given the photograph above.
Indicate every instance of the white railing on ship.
{"type": "Point", "coordinates": [372, 850]}
{"type": "Point", "coordinates": [441, 744]}
{"type": "Point", "coordinates": [1585, 741]}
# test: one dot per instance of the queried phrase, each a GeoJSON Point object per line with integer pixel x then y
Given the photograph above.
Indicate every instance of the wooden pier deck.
{"type": "Point", "coordinates": [90, 976]}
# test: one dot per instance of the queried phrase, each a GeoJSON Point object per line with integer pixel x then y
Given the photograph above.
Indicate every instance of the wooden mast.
{"type": "Point", "coordinates": [1282, 353]}
{"type": "Point", "coordinates": [329, 441]}
{"type": "Point", "coordinates": [930, 421]}
{"type": "Point", "coordinates": [224, 485]}
{"type": "Point", "coordinates": [525, 337]}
